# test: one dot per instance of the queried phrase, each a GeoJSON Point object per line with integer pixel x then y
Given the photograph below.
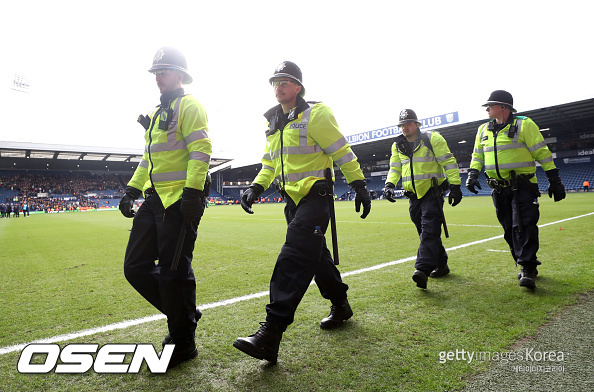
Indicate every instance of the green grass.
{"type": "Point", "coordinates": [63, 273]}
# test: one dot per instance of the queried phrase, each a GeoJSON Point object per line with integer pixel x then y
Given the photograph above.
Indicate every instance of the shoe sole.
{"type": "Point", "coordinates": [422, 283]}
{"type": "Point", "coordinates": [249, 350]}
{"type": "Point", "coordinates": [185, 358]}
{"type": "Point", "coordinates": [528, 283]}
{"type": "Point", "coordinates": [335, 324]}
{"type": "Point", "coordinates": [440, 275]}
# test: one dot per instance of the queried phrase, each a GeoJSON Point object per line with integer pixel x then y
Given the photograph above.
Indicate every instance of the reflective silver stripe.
{"type": "Point", "coordinates": [300, 176]}
{"type": "Point", "coordinates": [424, 177]}
{"type": "Point", "coordinates": [170, 176]}
{"type": "Point", "coordinates": [537, 146]}
{"type": "Point", "coordinates": [346, 158]}
{"type": "Point", "coordinates": [298, 150]}
{"type": "Point", "coordinates": [267, 167]}
{"type": "Point", "coordinates": [424, 159]}
{"type": "Point", "coordinates": [405, 161]}
{"type": "Point", "coordinates": [477, 160]}
{"type": "Point", "coordinates": [450, 167]}
{"type": "Point", "coordinates": [549, 159]}
{"type": "Point", "coordinates": [395, 164]}
{"type": "Point", "coordinates": [196, 135]}
{"type": "Point", "coordinates": [477, 151]}
{"type": "Point", "coordinates": [514, 165]}
{"type": "Point", "coordinates": [199, 156]}
{"type": "Point", "coordinates": [172, 143]}
{"type": "Point", "coordinates": [392, 170]}
{"type": "Point", "coordinates": [143, 163]}
{"type": "Point", "coordinates": [519, 126]}
{"type": "Point", "coordinates": [171, 133]}
{"type": "Point", "coordinates": [502, 147]}
{"type": "Point", "coordinates": [303, 131]}
{"type": "Point", "coordinates": [444, 157]}
{"type": "Point", "coordinates": [337, 145]}
{"type": "Point", "coordinates": [267, 157]}
{"type": "Point", "coordinates": [168, 146]}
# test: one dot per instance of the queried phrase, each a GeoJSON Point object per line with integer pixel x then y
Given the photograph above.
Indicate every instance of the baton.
{"type": "Point", "coordinates": [178, 247]}
{"type": "Point", "coordinates": [328, 174]}
{"type": "Point", "coordinates": [438, 196]}
{"type": "Point", "coordinates": [516, 206]}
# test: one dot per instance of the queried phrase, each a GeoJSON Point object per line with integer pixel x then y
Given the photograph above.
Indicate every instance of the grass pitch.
{"type": "Point", "coordinates": [63, 273]}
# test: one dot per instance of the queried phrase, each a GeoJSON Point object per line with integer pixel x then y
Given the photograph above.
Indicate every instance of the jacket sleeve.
{"type": "Point", "coordinates": [395, 171]}
{"type": "Point", "coordinates": [266, 174]}
{"type": "Point", "coordinates": [140, 176]}
{"type": "Point", "coordinates": [195, 133]}
{"type": "Point", "coordinates": [478, 156]}
{"type": "Point", "coordinates": [328, 136]}
{"type": "Point", "coordinates": [535, 143]}
{"type": "Point", "coordinates": [445, 158]}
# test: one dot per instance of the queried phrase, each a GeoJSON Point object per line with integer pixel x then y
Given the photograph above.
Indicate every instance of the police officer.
{"type": "Point", "coordinates": [417, 158]}
{"type": "Point", "coordinates": [172, 174]}
{"type": "Point", "coordinates": [508, 146]}
{"type": "Point", "coordinates": [303, 140]}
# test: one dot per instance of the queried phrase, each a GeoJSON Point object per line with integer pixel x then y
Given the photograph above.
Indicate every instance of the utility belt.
{"type": "Point", "coordinates": [443, 188]}
{"type": "Point", "coordinates": [498, 185]}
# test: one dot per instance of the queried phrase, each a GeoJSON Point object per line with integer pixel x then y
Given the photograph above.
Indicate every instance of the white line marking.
{"type": "Point", "coordinates": [497, 250]}
{"type": "Point", "coordinates": [130, 323]}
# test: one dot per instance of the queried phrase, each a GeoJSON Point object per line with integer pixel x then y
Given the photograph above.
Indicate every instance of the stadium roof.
{"type": "Point", "coordinates": [574, 117]}
{"type": "Point", "coordinates": [35, 156]}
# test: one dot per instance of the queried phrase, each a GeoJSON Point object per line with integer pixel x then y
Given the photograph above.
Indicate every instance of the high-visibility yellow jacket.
{"type": "Point", "coordinates": [416, 172]}
{"type": "Point", "coordinates": [297, 155]}
{"type": "Point", "coordinates": [500, 154]}
{"type": "Point", "coordinates": [177, 157]}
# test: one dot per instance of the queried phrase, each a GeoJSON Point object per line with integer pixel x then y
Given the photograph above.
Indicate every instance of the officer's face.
{"type": "Point", "coordinates": [409, 130]}
{"type": "Point", "coordinates": [168, 80]}
{"type": "Point", "coordinates": [495, 111]}
{"type": "Point", "coordinates": [285, 90]}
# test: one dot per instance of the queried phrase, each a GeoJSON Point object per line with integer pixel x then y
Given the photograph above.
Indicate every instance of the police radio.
{"type": "Point", "coordinates": [165, 119]}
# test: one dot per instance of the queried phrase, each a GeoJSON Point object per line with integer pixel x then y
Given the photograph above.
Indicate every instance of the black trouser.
{"type": "Point", "coordinates": [154, 236]}
{"type": "Point", "coordinates": [304, 256]}
{"type": "Point", "coordinates": [426, 215]}
{"type": "Point", "coordinates": [522, 244]}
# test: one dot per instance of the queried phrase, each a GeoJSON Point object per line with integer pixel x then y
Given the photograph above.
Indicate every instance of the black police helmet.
{"type": "Point", "coordinates": [501, 97]}
{"type": "Point", "coordinates": [171, 58]}
{"type": "Point", "coordinates": [408, 115]}
{"type": "Point", "coordinates": [288, 69]}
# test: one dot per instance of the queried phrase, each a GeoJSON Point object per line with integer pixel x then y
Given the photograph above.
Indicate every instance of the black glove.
{"type": "Point", "coordinates": [250, 196]}
{"type": "Point", "coordinates": [389, 192]}
{"type": "Point", "coordinates": [361, 197]}
{"type": "Point", "coordinates": [473, 181]}
{"type": "Point", "coordinates": [128, 200]}
{"type": "Point", "coordinates": [455, 196]}
{"type": "Point", "coordinates": [192, 204]}
{"type": "Point", "coordinates": [556, 187]}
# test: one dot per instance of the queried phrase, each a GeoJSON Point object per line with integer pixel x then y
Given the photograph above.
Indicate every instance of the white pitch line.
{"type": "Point", "coordinates": [130, 323]}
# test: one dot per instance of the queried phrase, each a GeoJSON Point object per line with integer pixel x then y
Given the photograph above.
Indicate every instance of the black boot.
{"type": "Point", "coordinates": [420, 279]}
{"type": "Point", "coordinates": [168, 339]}
{"type": "Point", "coordinates": [339, 312]}
{"type": "Point", "coordinates": [440, 271]}
{"type": "Point", "coordinates": [527, 277]}
{"type": "Point", "coordinates": [264, 343]}
{"type": "Point", "coordinates": [183, 351]}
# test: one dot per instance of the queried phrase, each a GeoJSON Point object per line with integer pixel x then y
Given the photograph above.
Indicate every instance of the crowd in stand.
{"type": "Point", "coordinates": [53, 192]}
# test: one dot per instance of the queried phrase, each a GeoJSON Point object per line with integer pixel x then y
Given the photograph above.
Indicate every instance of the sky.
{"type": "Point", "coordinates": [87, 62]}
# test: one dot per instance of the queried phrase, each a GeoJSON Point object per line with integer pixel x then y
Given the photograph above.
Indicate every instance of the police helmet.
{"type": "Point", "coordinates": [288, 69]}
{"type": "Point", "coordinates": [501, 97]}
{"type": "Point", "coordinates": [171, 58]}
{"type": "Point", "coordinates": [408, 115]}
